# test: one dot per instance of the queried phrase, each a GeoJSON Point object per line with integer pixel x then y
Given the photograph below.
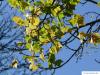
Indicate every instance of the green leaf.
{"type": "Point", "coordinates": [58, 62]}
{"type": "Point", "coordinates": [37, 3]}
{"type": "Point", "coordinates": [50, 65]}
{"type": "Point", "coordinates": [51, 58]}
{"type": "Point", "coordinates": [47, 9]}
{"type": "Point", "coordinates": [65, 1]}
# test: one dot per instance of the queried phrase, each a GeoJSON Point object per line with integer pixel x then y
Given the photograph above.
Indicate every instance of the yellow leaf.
{"type": "Point", "coordinates": [28, 31]}
{"type": "Point", "coordinates": [47, 2]}
{"type": "Point", "coordinates": [34, 33]}
{"type": "Point", "coordinates": [37, 11]}
{"type": "Point", "coordinates": [95, 38]}
{"type": "Point", "coordinates": [58, 44]}
{"type": "Point", "coordinates": [34, 20]}
{"type": "Point", "coordinates": [52, 33]}
{"type": "Point", "coordinates": [82, 36]}
{"type": "Point", "coordinates": [14, 63]}
{"type": "Point", "coordinates": [31, 31]}
{"type": "Point", "coordinates": [80, 21]}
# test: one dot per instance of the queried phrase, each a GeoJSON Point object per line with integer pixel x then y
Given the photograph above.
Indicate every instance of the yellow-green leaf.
{"type": "Point", "coordinates": [28, 45]}
{"type": "Point", "coordinates": [13, 3]}
{"type": "Point", "coordinates": [42, 56]}
{"type": "Point", "coordinates": [44, 39]}
{"type": "Point", "coordinates": [55, 11]}
{"type": "Point", "coordinates": [77, 20]}
{"type": "Point", "coordinates": [98, 4]}
{"type": "Point", "coordinates": [65, 29]}
{"type": "Point", "coordinates": [42, 1]}
{"type": "Point", "coordinates": [55, 47]}
{"type": "Point", "coordinates": [49, 2]}
{"type": "Point", "coordinates": [30, 59]}
{"type": "Point", "coordinates": [20, 44]}
{"type": "Point", "coordinates": [23, 5]}
{"type": "Point", "coordinates": [74, 2]}
{"type": "Point", "coordinates": [18, 20]}
{"type": "Point", "coordinates": [33, 67]}
{"type": "Point", "coordinates": [36, 47]}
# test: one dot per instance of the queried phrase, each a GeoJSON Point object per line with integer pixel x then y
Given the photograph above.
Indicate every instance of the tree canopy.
{"type": "Point", "coordinates": [49, 26]}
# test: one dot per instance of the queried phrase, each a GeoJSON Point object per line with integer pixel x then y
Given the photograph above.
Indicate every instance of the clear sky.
{"type": "Point", "coordinates": [87, 62]}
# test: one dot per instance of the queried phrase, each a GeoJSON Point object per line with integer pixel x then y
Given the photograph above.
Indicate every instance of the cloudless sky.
{"type": "Point", "coordinates": [87, 62]}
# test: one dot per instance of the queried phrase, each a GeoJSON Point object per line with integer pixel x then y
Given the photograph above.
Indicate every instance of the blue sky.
{"type": "Point", "coordinates": [87, 62]}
